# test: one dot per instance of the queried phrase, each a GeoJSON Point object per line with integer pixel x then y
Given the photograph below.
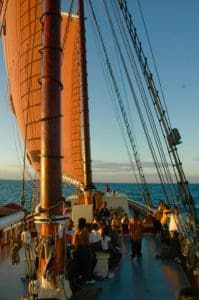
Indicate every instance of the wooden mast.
{"type": "Point", "coordinates": [85, 110]}
{"type": "Point", "coordinates": [51, 180]}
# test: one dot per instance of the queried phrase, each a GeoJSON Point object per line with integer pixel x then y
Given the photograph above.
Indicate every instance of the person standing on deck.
{"type": "Point", "coordinates": [69, 232]}
{"type": "Point", "coordinates": [175, 223]}
{"type": "Point", "coordinates": [71, 269]}
{"type": "Point", "coordinates": [108, 247]}
{"type": "Point", "coordinates": [136, 228]}
{"type": "Point", "coordinates": [83, 251]}
{"type": "Point", "coordinates": [158, 216]}
{"type": "Point", "coordinates": [115, 228]}
{"type": "Point", "coordinates": [175, 229]}
{"type": "Point", "coordinates": [104, 213]}
{"type": "Point", "coordinates": [107, 188]}
{"type": "Point", "coordinates": [124, 224]}
{"type": "Point", "coordinates": [164, 223]}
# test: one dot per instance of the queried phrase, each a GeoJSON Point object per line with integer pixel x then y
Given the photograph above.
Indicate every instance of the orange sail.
{"type": "Point", "coordinates": [22, 41]}
{"type": "Point", "coordinates": [71, 104]}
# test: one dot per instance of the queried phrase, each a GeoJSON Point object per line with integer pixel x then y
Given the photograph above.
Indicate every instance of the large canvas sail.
{"type": "Point", "coordinates": [71, 103]}
{"type": "Point", "coordinates": [22, 41]}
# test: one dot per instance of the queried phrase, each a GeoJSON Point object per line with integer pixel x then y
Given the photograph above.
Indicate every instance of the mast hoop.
{"type": "Point", "coordinates": [50, 118]}
{"type": "Point", "coordinates": [50, 47]}
{"type": "Point", "coordinates": [47, 13]}
{"type": "Point", "coordinates": [51, 78]}
{"type": "Point", "coordinates": [51, 156]}
{"type": "Point", "coordinates": [49, 219]}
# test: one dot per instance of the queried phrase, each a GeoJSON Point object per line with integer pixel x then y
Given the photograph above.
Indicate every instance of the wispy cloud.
{"type": "Point", "coordinates": [122, 172]}
{"type": "Point", "coordinates": [116, 166]}
{"type": "Point", "coordinates": [118, 171]}
{"type": "Point", "coordinates": [196, 158]}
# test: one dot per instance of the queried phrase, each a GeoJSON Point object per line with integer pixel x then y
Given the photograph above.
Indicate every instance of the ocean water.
{"type": "Point", "coordinates": [11, 191]}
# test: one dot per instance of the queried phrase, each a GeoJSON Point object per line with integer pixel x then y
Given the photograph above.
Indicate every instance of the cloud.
{"type": "Point", "coordinates": [109, 166]}
{"type": "Point", "coordinates": [196, 158]}
{"type": "Point", "coordinates": [119, 171]}
{"type": "Point", "coordinates": [102, 171]}
{"type": "Point", "coordinates": [122, 172]}
{"type": "Point", "coordinates": [99, 165]}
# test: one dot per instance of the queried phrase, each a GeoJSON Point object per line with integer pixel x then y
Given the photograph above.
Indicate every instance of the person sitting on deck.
{"type": "Point", "coordinates": [136, 228]}
{"type": "Point", "coordinates": [107, 246]}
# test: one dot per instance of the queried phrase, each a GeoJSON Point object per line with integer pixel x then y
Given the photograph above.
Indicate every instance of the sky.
{"type": "Point", "coordinates": [173, 30]}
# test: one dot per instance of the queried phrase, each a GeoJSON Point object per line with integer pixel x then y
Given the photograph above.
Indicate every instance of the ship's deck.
{"type": "Point", "coordinates": [143, 278]}
{"type": "Point", "coordinates": [11, 285]}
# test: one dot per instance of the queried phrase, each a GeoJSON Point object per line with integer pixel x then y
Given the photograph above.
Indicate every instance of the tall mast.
{"type": "Point", "coordinates": [84, 94]}
{"type": "Point", "coordinates": [51, 183]}
{"type": "Point", "coordinates": [51, 180]}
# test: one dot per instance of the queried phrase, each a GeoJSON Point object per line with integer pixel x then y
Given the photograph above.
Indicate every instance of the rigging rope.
{"type": "Point", "coordinates": [122, 108]}
{"type": "Point", "coordinates": [113, 99]}
{"type": "Point", "coordinates": [3, 25]}
{"type": "Point", "coordinates": [161, 152]}
{"type": "Point", "coordinates": [171, 139]}
{"type": "Point", "coordinates": [115, 107]}
{"type": "Point", "coordinates": [67, 26]}
{"type": "Point", "coordinates": [136, 102]}
{"type": "Point", "coordinates": [107, 62]}
{"type": "Point", "coordinates": [154, 61]}
{"type": "Point", "coordinates": [148, 111]}
{"type": "Point", "coordinates": [26, 121]}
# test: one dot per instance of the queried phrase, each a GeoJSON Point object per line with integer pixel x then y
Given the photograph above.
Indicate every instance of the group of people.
{"type": "Point", "coordinates": [167, 221]}
{"type": "Point", "coordinates": [85, 241]}
{"type": "Point", "coordinates": [103, 235]}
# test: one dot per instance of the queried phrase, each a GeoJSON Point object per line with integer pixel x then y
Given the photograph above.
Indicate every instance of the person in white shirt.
{"type": "Point", "coordinates": [175, 228]}
{"type": "Point", "coordinates": [106, 240]}
{"type": "Point", "coordinates": [95, 238]}
{"type": "Point", "coordinates": [107, 246]}
{"type": "Point", "coordinates": [69, 232]}
{"type": "Point", "coordinates": [174, 222]}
